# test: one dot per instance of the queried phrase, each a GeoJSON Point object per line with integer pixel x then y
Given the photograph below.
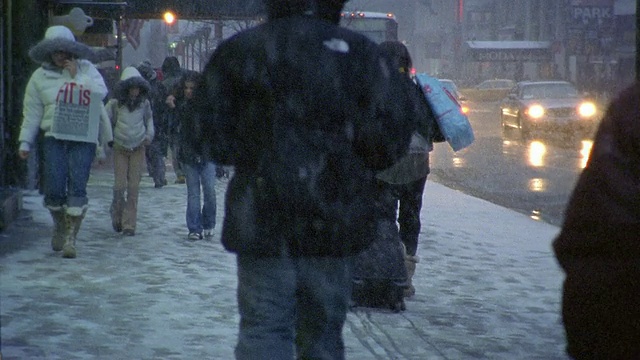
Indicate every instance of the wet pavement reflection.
{"type": "Point", "coordinates": [533, 175]}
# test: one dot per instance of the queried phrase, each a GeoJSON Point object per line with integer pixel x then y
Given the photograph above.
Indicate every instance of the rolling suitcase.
{"type": "Point", "coordinates": [380, 275]}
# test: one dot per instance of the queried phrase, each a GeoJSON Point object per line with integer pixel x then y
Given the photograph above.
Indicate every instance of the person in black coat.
{"type": "Point", "coordinates": [198, 168]}
{"type": "Point", "coordinates": [172, 73]}
{"type": "Point", "coordinates": [407, 186]}
{"type": "Point", "coordinates": [157, 150]}
{"type": "Point", "coordinates": [306, 112]}
{"type": "Point", "coordinates": [599, 244]}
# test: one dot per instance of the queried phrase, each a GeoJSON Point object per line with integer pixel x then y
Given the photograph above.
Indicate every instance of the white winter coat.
{"type": "Point", "coordinates": [40, 100]}
{"type": "Point", "coordinates": [131, 128]}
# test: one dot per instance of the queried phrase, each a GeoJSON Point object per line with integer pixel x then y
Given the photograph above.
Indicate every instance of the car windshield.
{"type": "Point", "coordinates": [496, 84]}
{"type": "Point", "coordinates": [546, 91]}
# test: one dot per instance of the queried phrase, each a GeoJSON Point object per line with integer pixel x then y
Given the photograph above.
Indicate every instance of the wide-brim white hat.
{"type": "Point", "coordinates": [59, 38]}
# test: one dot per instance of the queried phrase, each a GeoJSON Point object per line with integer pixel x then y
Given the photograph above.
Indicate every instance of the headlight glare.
{"type": "Point", "coordinates": [535, 111]}
{"type": "Point", "coordinates": [587, 109]}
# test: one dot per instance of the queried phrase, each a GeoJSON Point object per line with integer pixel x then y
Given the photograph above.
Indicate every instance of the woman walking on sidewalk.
{"type": "Point", "coordinates": [197, 165]}
{"type": "Point", "coordinates": [131, 116]}
{"type": "Point", "coordinates": [65, 80]}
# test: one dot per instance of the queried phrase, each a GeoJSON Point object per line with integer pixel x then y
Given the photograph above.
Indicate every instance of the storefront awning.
{"type": "Point", "coordinates": [508, 50]}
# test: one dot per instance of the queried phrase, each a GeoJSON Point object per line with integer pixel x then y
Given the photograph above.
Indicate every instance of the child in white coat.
{"type": "Point", "coordinates": [132, 120]}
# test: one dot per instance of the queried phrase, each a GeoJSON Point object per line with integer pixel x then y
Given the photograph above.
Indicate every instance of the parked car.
{"type": "Point", "coordinates": [496, 84]}
{"type": "Point", "coordinates": [451, 87]}
{"type": "Point", "coordinates": [554, 106]}
{"type": "Point", "coordinates": [490, 90]}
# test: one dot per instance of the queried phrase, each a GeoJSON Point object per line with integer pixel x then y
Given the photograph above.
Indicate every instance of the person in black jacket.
{"type": "Point", "coordinates": [599, 244]}
{"type": "Point", "coordinates": [306, 112]}
{"type": "Point", "coordinates": [408, 187]}
{"type": "Point", "coordinates": [157, 150]}
{"type": "Point", "coordinates": [172, 73]}
{"type": "Point", "coordinates": [198, 168]}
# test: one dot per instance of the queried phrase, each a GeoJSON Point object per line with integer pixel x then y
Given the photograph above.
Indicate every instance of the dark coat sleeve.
{"type": "Point", "coordinates": [217, 118]}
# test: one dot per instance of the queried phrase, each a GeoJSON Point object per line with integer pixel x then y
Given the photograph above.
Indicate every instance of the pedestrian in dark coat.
{"type": "Point", "coordinates": [198, 168]}
{"type": "Point", "coordinates": [306, 112]}
{"type": "Point", "coordinates": [599, 245]}
{"type": "Point", "coordinates": [157, 150]}
{"type": "Point", "coordinates": [406, 195]}
{"type": "Point", "coordinates": [172, 73]}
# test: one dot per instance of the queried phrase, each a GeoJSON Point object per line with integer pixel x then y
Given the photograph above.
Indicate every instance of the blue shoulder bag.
{"type": "Point", "coordinates": [453, 124]}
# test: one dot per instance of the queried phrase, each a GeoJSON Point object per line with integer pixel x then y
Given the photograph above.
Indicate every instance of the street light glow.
{"type": "Point", "coordinates": [169, 17]}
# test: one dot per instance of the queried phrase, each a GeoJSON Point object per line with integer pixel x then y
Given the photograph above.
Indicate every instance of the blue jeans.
{"type": "Point", "coordinates": [67, 165]}
{"type": "Point", "coordinates": [292, 307]}
{"type": "Point", "coordinates": [201, 176]}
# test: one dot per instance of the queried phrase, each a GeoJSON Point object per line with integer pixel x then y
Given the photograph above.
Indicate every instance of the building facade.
{"type": "Point", "coordinates": [588, 42]}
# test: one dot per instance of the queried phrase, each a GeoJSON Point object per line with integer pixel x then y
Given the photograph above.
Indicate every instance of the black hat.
{"type": "Point", "coordinates": [325, 9]}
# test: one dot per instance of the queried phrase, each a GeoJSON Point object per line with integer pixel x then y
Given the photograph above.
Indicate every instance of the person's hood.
{"type": "Point", "coordinates": [328, 10]}
{"type": "Point", "coordinates": [171, 66]}
{"type": "Point", "coordinates": [59, 38]}
{"type": "Point", "coordinates": [397, 52]}
{"type": "Point", "coordinates": [131, 77]}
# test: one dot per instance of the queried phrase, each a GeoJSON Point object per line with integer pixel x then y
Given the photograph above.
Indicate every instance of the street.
{"type": "Point", "coordinates": [533, 176]}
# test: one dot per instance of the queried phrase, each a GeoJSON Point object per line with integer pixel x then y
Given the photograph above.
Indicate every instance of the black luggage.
{"type": "Point", "coordinates": [380, 275]}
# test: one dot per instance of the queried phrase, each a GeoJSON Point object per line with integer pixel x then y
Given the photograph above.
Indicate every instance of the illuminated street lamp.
{"type": "Point", "coordinates": [171, 21]}
{"type": "Point", "coordinates": [169, 17]}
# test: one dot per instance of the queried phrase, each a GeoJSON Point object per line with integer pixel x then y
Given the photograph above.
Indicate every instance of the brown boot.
{"type": "Point", "coordinates": [74, 217]}
{"type": "Point", "coordinates": [59, 227]}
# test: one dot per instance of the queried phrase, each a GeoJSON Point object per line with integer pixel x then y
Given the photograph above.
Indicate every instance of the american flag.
{"type": "Point", "coordinates": [131, 29]}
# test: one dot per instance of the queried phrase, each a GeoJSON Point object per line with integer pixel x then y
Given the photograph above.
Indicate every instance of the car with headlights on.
{"type": "Point", "coordinates": [553, 106]}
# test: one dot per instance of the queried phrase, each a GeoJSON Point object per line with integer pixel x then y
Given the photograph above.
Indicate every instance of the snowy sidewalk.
{"type": "Point", "coordinates": [487, 286]}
